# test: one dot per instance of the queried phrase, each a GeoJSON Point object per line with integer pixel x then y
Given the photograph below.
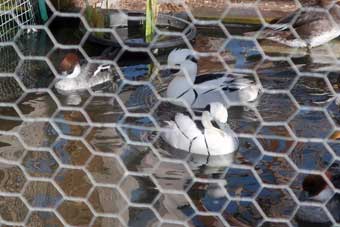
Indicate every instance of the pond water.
{"type": "Point", "coordinates": [95, 158]}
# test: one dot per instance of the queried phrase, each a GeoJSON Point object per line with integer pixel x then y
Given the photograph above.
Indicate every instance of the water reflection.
{"type": "Point", "coordinates": [209, 166]}
{"type": "Point", "coordinates": [208, 196]}
{"type": "Point", "coordinates": [34, 44]}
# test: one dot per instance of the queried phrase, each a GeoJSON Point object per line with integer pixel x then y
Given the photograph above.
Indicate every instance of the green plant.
{"type": "Point", "coordinates": [95, 19]}
{"type": "Point", "coordinates": [150, 19]}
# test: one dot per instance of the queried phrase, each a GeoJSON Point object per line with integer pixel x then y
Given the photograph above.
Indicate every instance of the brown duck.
{"type": "Point", "coordinates": [310, 26]}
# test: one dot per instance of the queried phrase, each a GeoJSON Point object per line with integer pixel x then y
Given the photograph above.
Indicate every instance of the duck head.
{"type": "Point", "coordinates": [326, 3]}
{"type": "Point", "coordinates": [184, 60]}
{"type": "Point", "coordinates": [215, 114]}
{"type": "Point", "coordinates": [69, 62]}
{"type": "Point", "coordinates": [70, 67]}
{"type": "Point", "coordinates": [218, 112]}
{"type": "Point", "coordinates": [316, 188]}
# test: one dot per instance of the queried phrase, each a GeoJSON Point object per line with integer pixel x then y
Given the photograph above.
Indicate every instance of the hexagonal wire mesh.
{"type": "Point", "coordinates": [12, 15]}
{"type": "Point", "coordinates": [95, 156]}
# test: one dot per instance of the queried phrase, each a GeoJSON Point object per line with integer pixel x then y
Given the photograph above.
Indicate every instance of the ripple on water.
{"type": "Point", "coordinates": [243, 119]}
{"type": "Point", "coordinates": [173, 206]}
{"type": "Point", "coordinates": [311, 124]}
{"type": "Point", "coordinates": [140, 216]}
{"type": "Point", "coordinates": [276, 107]}
{"type": "Point", "coordinates": [248, 153]}
{"type": "Point", "coordinates": [311, 156]}
{"type": "Point", "coordinates": [208, 197]}
{"type": "Point", "coordinates": [242, 213]}
{"type": "Point", "coordinates": [138, 98]}
{"type": "Point", "coordinates": [276, 203]}
{"type": "Point", "coordinates": [241, 183]}
{"type": "Point", "coordinates": [276, 74]}
{"type": "Point", "coordinates": [312, 91]}
{"type": "Point", "coordinates": [275, 170]}
{"type": "Point", "coordinates": [72, 123]}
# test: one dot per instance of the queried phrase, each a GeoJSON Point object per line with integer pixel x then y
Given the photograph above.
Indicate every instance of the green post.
{"type": "Point", "coordinates": [43, 10]}
{"type": "Point", "coordinates": [150, 19]}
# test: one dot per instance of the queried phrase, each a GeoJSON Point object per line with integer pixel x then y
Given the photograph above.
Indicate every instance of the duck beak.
{"type": "Point", "coordinates": [168, 72]}
{"type": "Point", "coordinates": [174, 71]}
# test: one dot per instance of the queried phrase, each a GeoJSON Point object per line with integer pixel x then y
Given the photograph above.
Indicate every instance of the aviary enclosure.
{"type": "Point", "coordinates": [169, 113]}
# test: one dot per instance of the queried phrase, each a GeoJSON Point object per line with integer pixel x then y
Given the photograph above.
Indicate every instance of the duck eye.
{"type": "Point", "coordinates": [191, 58]}
{"type": "Point", "coordinates": [214, 123]}
{"type": "Point", "coordinates": [207, 108]}
{"type": "Point", "coordinates": [104, 67]}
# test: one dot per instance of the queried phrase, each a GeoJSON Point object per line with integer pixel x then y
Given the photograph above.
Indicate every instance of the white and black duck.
{"type": "Point", "coordinates": [199, 91]}
{"type": "Point", "coordinates": [183, 133]}
{"type": "Point", "coordinates": [80, 75]}
{"type": "Point", "coordinates": [311, 26]}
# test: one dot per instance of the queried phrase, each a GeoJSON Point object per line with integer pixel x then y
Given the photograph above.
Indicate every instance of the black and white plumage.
{"type": "Point", "coordinates": [182, 133]}
{"type": "Point", "coordinates": [308, 27]}
{"type": "Point", "coordinates": [87, 75]}
{"type": "Point", "coordinates": [199, 91]}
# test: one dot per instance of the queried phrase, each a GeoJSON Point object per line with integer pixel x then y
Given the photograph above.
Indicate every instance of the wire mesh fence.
{"type": "Point", "coordinates": [13, 14]}
{"type": "Point", "coordinates": [85, 103]}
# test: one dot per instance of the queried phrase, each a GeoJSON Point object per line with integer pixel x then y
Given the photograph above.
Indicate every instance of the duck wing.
{"type": "Point", "coordinates": [181, 132]}
{"type": "Point", "coordinates": [204, 78]}
{"type": "Point", "coordinates": [215, 80]}
{"type": "Point", "coordinates": [187, 126]}
{"type": "Point", "coordinates": [174, 137]}
{"type": "Point", "coordinates": [219, 143]}
{"type": "Point", "coordinates": [228, 84]}
{"type": "Point", "coordinates": [98, 70]}
{"type": "Point", "coordinates": [313, 24]}
{"type": "Point", "coordinates": [301, 21]}
{"type": "Point", "coordinates": [229, 132]}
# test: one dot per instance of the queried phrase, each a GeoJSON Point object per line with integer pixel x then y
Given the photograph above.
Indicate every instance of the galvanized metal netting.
{"type": "Point", "coordinates": [95, 158]}
{"type": "Point", "coordinates": [13, 14]}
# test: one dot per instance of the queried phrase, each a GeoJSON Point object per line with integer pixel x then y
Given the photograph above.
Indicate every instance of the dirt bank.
{"type": "Point", "coordinates": [212, 9]}
{"type": "Point", "coordinates": [228, 10]}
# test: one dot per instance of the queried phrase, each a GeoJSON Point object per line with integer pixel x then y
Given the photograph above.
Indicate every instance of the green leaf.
{"type": "Point", "coordinates": [150, 19]}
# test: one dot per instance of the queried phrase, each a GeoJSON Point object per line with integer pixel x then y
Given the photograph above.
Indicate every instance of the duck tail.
{"type": "Point", "coordinates": [168, 122]}
{"type": "Point", "coordinates": [267, 33]}
{"type": "Point", "coordinates": [250, 34]}
{"type": "Point", "coordinates": [109, 53]}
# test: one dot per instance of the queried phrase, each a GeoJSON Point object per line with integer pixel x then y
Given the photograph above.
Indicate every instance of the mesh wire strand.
{"type": "Point", "coordinates": [15, 15]}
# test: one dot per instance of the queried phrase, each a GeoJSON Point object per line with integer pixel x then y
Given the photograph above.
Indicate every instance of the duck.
{"type": "Point", "coordinates": [182, 133]}
{"type": "Point", "coordinates": [200, 90]}
{"type": "Point", "coordinates": [81, 76]}
{"type": "Point", "coordinates": [311, 26]}
{"type": "Point", "coordinates": [316, 189]}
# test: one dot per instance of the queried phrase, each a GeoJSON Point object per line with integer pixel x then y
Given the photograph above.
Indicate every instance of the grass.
{"type": "Point", "coordinates": [95, 19]}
